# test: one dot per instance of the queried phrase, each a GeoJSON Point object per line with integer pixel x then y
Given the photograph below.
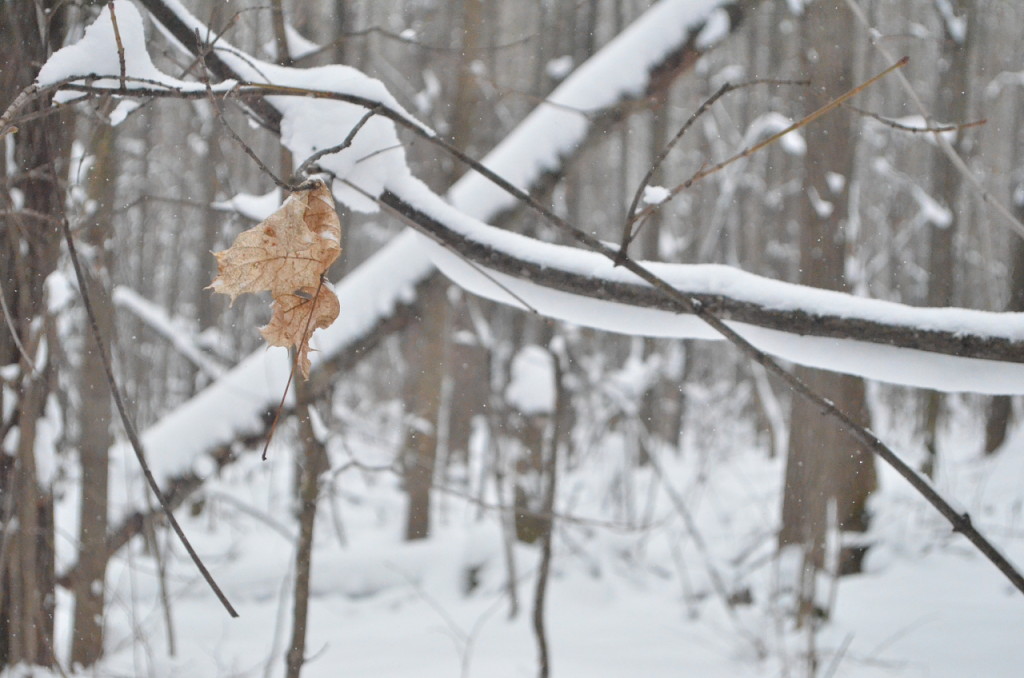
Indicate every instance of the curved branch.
{"type": "Point", "coordinates": [920, 329]}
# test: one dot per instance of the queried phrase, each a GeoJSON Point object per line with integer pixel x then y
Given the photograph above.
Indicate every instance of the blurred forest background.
{"type": "Point", "coordinates": [464, 407]}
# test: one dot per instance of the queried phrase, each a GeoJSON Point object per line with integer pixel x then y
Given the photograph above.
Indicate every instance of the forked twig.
{"type": "Point", "coordinates": [628, 232]}
{"type": "Point", "coordinates": [751, 150]}
{"type": "Point", "coordinates": [346, 142]}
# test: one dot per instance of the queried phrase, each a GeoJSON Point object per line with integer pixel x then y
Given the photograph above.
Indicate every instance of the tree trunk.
{"type": "Point", "coordinates": [825, 469]}
{"type": "Point", "coordinates": [1001, 407]}
{"type": "Point", "coordinates": [661, 410]}
{"type": "Point", "coordinates": [951, 106]}
{"type": "Point", "coordinates": [95, 414]}
{"type": "Point", "coordinates": [313, 463]}
{"type": "Point", "coordinates": [469, 363]}
{"type": "Point", "coordinates": [29, 247]}
{"type": "Point", "coordinates": [423, 350]}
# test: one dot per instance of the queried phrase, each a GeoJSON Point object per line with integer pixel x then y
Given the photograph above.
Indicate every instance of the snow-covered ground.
{"type": "Point", "coordinates": [637, 587]}
{"type": "Point", "coordinates": [631, 592]}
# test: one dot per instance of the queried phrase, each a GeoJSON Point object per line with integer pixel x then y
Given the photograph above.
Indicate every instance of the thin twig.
{"type": "Point", "coordinates": [120, 45]}
{"type": "Point", "coordinates": [250, 511]}
{"type": "Point", "coordinates": [627, 235]}
{"type": "Point", "coordinates": [751, 150]}
{"type": "Point", "coordinates": [129, 427]}
{"type": "Point", "coordinates": [837, 658]}
{"type": "Point", "coordinates": [550, 475]}
{"type": "Point", "coordinates": [234, 135]}
{"type": "Point", "coordinates": [308, 162]}
{"type": "Point", "coordinates": [714, 576]}
{"type": "Point", "coordinates": [937, 129]}
{"type": "Point", "coordinates": [161, 571]}
{"type": "Point", "coordinates": [291, 373]}
{"type": "Point", "coordinates": [628, 232]}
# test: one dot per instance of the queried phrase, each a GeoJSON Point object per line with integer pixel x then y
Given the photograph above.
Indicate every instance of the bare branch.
{"type": "Point", "coordinates": [129, 427]}
{"type": "Point", "coordinates": [1012, 221]}
{"type": "Point", "coordinates": [120, 44]}
{"type": "Point", "coordinates": [930, 129]}
{"type": "Point", "coordinates": [629, 233]}
{"type": "Point", "coordinates": [346, 142]}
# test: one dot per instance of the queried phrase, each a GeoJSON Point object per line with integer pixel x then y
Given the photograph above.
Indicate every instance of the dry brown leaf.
{"type": "Point", "coordinates": [288, 251]}
{"type": "Point", "coordinates": [295, 318]}
{"type": "Point", "coordinates": [287, 255]}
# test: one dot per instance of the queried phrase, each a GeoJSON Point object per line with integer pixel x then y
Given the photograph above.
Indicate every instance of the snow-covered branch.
{"type": "Point", "coordinates": [946, 348]}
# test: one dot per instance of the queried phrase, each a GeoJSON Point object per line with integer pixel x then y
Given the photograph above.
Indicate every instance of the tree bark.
{"type": "Point", "coordinates": [312, 464]}
{"type": "Point", "coordinates": [951, 106]}
{"type": "Point", "coordinates": [28, 249]}
{"type": "Point", "coordinates": [825, 470]}
{"type": "Point", "coordinates": [423, 350]}
{"type": "Point", "coordinates": [469, 363]}
{"type": "Point", "coordinates": [1001, 407]}
{"type": "Point", "coordinates": [95, 414]}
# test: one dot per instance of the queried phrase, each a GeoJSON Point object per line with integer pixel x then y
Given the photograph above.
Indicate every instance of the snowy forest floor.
{"type": "Point", "coordinates": [632, 591]}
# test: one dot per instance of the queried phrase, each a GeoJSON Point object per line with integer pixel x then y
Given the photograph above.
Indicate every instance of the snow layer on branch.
{"type": "Point", "coordinates": [308, 124]}
{"type": "Point", "coordinates": [620, 69]}
{"type": "Point", "coordinates": [313, 124]}
{"type": "Point", "coordinates": [96, 54]}
{"type": "Point", "coordinates": [873, 361]}
{"type": "Point", "coordinates": [171, 329]}
{"type": "Point", "coordinates": [254, 207]}
{"type": "Point", "coordinates": [299, 45]}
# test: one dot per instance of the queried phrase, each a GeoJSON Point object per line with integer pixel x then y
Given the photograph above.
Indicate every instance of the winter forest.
{"type": "Point", "coordinates": [538, 338]}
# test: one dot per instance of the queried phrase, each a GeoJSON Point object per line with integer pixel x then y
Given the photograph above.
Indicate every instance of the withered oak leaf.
{"type": "Point", "coordinates": [288, 254]}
